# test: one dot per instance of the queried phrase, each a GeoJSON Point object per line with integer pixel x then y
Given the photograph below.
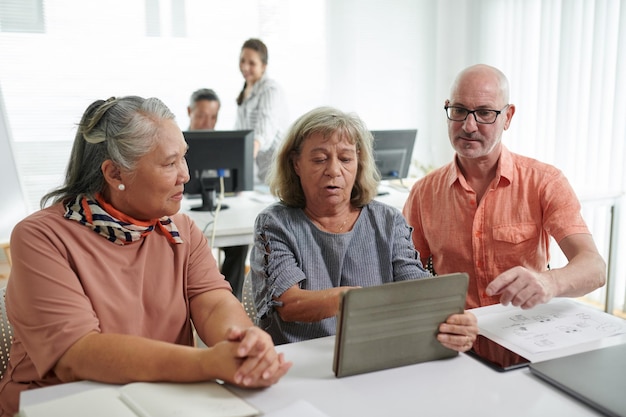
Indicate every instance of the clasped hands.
{"type": "Point", "coordinates": [254, 363]}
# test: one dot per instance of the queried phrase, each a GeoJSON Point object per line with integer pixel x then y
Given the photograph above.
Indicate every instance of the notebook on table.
{"type": "Point", "coordinates": [595, 377]}
{"type": "Point", "coordinates": [146, 399]}
{"type": "Point", "coordinates": [395, 324]}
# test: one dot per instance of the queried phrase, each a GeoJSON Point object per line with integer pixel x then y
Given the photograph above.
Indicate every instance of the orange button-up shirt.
{"type": "Point", "coordinates": [527, 202]}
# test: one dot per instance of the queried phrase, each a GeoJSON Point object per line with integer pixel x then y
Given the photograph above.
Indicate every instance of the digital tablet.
{"type": "Point", "coordinates": [395, 324]}
{"type": "Point", "coordinates": [495, 355]}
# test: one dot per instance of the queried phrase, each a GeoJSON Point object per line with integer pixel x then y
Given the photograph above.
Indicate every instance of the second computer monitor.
{"type": "Point", "coordinates": [393, 150]}
{"type": "Point", "coordinates": [213, 154]}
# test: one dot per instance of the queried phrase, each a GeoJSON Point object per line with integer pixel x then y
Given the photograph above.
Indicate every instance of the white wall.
{"type": "Point", "coordinates": [380, 67]}
{"type": "Point", "coordinates": [12, 204]}
{"type": "Point", "coordinates": [362, 56]}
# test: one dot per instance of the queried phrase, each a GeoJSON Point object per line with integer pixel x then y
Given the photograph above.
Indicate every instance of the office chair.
{"type": "Point", "coordinates": [6, 334]}
{"type": "Point", "coordinates": [429, 265]}
{"type": "Point", "coordinates": [247, 298]}
{"type": "Point", "coordinates": [7, 251]}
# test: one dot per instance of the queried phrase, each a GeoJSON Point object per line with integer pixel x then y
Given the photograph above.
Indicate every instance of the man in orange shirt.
{"type": "Point", "coordinates": [491, 213]}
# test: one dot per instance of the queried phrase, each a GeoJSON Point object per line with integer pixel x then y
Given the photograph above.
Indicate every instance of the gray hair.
{"type": "Point", "coordinates": [121, 129]}
{"type": "Point", "coordinates": [282, 178]}
{"type": "Point", "coordinates": [203, 94]}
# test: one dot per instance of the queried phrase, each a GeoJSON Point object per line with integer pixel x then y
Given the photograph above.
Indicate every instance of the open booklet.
{"type": "Point", "coordinates": [147, 399]}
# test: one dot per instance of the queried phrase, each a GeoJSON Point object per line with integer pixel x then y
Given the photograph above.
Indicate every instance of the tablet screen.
{"type": "Point", "coordinates": [496, 355]}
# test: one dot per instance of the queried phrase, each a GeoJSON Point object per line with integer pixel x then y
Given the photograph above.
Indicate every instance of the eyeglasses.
{"type": "Point", "coordinates": [482, 116]}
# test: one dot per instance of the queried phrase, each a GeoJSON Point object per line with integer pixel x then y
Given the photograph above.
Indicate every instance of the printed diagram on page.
{"type": "Point", "coordinates": [552, 326]}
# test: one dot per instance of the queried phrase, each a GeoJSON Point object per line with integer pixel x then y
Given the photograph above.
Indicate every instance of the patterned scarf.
{"type": "Point", "coordinates": [114, 225]}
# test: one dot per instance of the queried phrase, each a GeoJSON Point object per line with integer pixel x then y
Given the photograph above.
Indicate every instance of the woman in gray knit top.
{"type": "Point", "coordinates": [328, 234]}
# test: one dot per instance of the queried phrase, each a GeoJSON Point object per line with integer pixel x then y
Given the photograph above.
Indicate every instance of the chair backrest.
{"type": "Point", "coordinates": [7, 251]}
{"type": "Point", "coordinates": [247, 298]}
{"type": "Point", "coordinates": [6, 334]}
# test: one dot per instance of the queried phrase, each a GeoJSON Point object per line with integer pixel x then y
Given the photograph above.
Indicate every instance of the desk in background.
{"type": "Point", "coordinates": [235, 225]}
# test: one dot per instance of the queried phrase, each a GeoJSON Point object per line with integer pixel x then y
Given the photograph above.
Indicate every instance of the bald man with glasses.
{"type": "Point", "coordinates": [491, 212]}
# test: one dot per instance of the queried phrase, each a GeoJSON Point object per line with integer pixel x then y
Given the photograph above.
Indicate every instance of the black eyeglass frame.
{"type": "Point", "coordinates": [473, 113]}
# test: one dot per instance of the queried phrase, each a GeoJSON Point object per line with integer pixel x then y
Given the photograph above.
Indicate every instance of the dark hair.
{"type": "Point", "coordinates": [120, 129]}
{"type": "Point", "coordinates": [203, 94]}
{"type": "Point", "coordinates": [258, 46]}
{"type": "Point", "coordinates": [285, 183]}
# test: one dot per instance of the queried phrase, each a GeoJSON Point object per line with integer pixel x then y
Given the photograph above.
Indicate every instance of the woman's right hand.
{"type": "Point", "coordinates": [248, 359]}
{"type": "Point", "coordinates": [310, 305]}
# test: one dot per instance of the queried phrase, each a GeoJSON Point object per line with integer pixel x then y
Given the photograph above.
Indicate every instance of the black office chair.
{"type": "Point", "coordinates": [247, 298]}
{"type": "Point", "coordinates": [429, 265]}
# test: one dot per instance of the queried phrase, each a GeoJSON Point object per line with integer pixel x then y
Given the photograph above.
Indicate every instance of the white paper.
{"type": "Point", "coordinates": [556, 325]}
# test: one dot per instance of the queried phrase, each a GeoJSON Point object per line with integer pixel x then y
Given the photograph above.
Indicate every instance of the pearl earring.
{"type": "Point", "coordinates": [121, 187]}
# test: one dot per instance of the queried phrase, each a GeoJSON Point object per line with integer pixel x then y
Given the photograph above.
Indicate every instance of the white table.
{"type": "Point", "coordinates": [460, 386]}
{"type": "Point", "coordinates": [234, 226]}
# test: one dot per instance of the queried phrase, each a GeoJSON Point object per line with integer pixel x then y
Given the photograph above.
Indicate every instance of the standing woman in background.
{"type": "Point", "coordinates": [261, 105]}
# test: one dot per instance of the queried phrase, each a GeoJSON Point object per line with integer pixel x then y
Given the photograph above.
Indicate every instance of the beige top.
{"type": "Point", "coordinates": [67, 280]}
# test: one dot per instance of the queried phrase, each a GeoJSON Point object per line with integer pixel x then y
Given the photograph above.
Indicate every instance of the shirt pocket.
{"type": "Point", "coordinates": [515, 244]}
{"type": "Point", "coordinates": [514, 233]}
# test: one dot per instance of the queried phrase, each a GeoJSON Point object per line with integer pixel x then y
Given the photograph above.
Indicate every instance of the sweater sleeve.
{"type": "Point", "coordinates": [273, 260]}
{"type": "Point", "coordinates": [406, 259]}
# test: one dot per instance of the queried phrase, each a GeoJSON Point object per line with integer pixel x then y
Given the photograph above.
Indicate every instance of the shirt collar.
{"type": "Point", "coordinates": [504, 171]}
{"type": "Point", "coordinates": [505, 165]}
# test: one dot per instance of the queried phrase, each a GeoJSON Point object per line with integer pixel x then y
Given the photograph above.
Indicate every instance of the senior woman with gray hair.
{"type": "Point", "coordinates": [106, 282]}
{"type": "Point", "coordinates": [328, 234]}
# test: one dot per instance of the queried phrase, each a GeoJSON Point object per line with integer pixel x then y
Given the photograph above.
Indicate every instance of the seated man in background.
{"type": "Point", "coordinates": [491, 213]}
{"type": "Point", "coordinates": [328, 234]}
{"type": "Point", "coordinates": [203, 109]}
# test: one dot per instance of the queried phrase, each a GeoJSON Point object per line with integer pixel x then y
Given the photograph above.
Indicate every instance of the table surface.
{"type": "Point", "coordinates": [460, 386]}
{"type": "Point", "coordinates": [457, 386]}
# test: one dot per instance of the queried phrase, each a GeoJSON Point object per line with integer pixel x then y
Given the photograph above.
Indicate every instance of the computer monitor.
{"type": "Point", "coordinates": [213, 154]}
{"type": "Point", "coordinates": [393, 150]}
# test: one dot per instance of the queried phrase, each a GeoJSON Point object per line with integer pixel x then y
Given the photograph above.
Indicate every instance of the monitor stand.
{"type": "Point", "coordinates": [208, 200]}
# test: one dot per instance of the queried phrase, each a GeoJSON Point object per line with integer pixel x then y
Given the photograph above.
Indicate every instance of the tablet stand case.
{"type": "Point", "coordinates": [395, 324]}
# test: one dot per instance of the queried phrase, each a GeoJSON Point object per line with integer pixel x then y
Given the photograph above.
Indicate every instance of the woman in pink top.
{"type": "Point", "coordinates": [107, 281]}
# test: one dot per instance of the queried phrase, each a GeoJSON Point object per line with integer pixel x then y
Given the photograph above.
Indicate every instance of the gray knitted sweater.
{"type": "Point", "coordinates": [289, 249]}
